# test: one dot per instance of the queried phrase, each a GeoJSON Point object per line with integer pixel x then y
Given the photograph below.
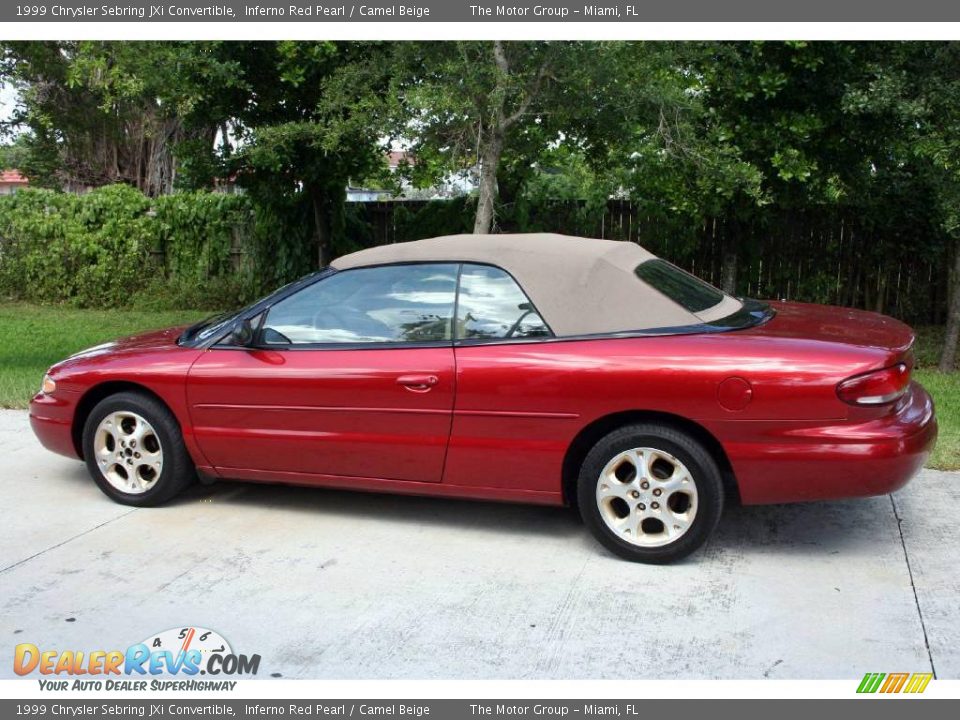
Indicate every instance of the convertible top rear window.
{"type": "Point", "coordinates": [688, 291]}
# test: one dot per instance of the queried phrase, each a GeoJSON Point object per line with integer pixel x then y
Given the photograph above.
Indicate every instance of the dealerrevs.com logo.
{"type": "Point", "coordinates": [170, 660]}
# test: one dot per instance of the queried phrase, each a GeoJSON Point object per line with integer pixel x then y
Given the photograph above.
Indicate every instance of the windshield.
{"type": "Point", "coordinates": [216, 324]}
{"type": "Point", "coordinates": [212, 325]}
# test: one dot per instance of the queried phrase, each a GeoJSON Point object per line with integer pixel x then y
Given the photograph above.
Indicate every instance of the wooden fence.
{"type": "Point", "coordinates": [797, 255]}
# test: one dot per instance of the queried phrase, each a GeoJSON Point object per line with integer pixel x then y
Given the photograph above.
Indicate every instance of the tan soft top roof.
{"type": "Point", "coordinates": [580, 286]}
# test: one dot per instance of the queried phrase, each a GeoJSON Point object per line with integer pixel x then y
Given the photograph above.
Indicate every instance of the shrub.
{"type": "Point", "coordinates": [90, 250]}
{"type": "Point", "coordinates": [114, 247]}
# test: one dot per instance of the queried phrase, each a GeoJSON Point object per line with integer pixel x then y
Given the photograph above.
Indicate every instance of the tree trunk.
{"type": "Point", "coordinates": [881, 301]}
{"type": "Point", "coordinates": [948, 355]}
{"type": "Point", "coordinates": [728, 277]}
{"type": "Point", "coordinates": [483, 224]}
{"type": "Point", "coordinates": [731, 252]}
{"type": "Point", "coordinates": [321, 225]}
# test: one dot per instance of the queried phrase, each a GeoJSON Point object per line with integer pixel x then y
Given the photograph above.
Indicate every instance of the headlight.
{"type": "Point", "coordinates": [48, 385]}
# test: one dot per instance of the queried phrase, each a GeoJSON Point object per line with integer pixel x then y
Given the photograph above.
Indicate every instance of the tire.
{"type": "Point", "coordinates": [622, 508]}
{"type": "Point", "coordinates": [134, 450]}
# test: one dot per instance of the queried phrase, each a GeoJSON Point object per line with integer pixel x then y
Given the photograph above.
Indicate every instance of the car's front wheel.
{"type": "Point", "coordinates": [650, 493]}
{"type": "Point", "coordinates": [134, 450]}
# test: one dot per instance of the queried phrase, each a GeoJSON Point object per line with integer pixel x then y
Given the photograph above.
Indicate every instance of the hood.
{"type": "Point", "coordinates": [151, 340]}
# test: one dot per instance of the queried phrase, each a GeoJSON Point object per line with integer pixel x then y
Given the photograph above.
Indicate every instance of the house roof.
{"type": "Point", "coordinates": [395, 157]}
{"type": "Point", "coordinates": [12, 177]}
{"type": "Point", "coordinates": [580, 286]}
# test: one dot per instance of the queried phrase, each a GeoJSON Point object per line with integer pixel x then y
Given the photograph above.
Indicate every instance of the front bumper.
{"type": "Point", "coordinates": [51, 417]}
{"type": "Point", "coordinates": [790, 462]}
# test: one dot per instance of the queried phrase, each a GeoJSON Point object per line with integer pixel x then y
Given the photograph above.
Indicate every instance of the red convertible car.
{"type": "Point", "coordinates": [529, 368]}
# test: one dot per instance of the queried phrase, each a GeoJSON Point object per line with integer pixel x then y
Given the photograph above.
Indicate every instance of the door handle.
{"type": "Point", "coordinates": [418, 383]}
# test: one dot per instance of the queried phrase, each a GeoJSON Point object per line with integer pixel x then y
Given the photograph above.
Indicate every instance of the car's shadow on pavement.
{"type": "Point", "coordinates": [402, 509]}
{"type": "Point", "coordinates": [811, 528]}
{"type": "Point", "coordinates": [814, 528]}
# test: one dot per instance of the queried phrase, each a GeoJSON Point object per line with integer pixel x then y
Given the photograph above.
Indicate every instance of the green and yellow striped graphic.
{"type": "Point", "coordinates": [894, 682]}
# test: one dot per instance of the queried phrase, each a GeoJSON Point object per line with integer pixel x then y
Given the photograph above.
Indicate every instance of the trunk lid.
{"type": "Point", "coordinates": [845, 326]}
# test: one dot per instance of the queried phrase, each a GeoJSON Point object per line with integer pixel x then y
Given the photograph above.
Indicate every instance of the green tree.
{"type": "Point", "coordinates": [749, 127]}
{"type": "Point", "coordinates": [479, 104]}
{"type": "Point", "coordinates": [291, 121]}
{"type": "Point", "coordinates": [96, 113]}
{"type": "Point", "coordinates": [750, 133]}
{"type": "Point", "coordinates": [14, 154]}
{"type": "Point", "coordinates": [908, 95]}
{"type": "Point", "coordinates": [304, 118]}
{"type": "Point", "coordinates": [937, 67]}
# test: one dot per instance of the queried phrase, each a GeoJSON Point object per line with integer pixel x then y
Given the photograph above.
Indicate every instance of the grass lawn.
{"type": "Point", "coordinates": [945, 389]}
{"type": "Point", "coordinates": [34, 337]}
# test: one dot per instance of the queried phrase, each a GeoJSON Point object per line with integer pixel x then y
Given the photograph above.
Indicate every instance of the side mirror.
{"type": "Point", "coordinates": [241, 335]}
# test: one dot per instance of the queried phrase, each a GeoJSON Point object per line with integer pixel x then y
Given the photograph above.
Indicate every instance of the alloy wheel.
{"type": "Point", "coordinates": [647, 497]}
{"type": "Point", "coordinates": [128, 452]}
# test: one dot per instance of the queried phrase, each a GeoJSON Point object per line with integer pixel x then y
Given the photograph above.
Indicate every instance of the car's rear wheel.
{"type": "Point", "coordinates": [134, 450]}
{"type": "Point", "coordinates": [650, 493]}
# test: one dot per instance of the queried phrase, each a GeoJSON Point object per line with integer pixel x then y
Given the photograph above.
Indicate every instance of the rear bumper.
{"type": "Point", "coordinates": [781, 462]}
{"type": "Point", "coordinates": [52, 421]}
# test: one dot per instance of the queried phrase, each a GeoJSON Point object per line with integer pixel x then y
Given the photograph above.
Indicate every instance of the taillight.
{"type": "Point", "coordinates": [878, 387]}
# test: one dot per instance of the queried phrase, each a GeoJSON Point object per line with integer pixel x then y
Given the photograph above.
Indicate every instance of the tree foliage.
{"type": "Point", "coordinates": [104, 112]}
{"type": "Point", "coordinates": [491, 107]}
{"type": "Point", "coordinates": [291, 122]}
{"type": "Point", "coordinates": [729, 135]}
{"type": "Point", "coordinates": [316, 123]}
{"type": "Point", "coordinates": [115, 246]}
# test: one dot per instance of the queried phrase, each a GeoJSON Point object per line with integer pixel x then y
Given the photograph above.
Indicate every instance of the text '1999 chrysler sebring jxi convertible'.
{"type": "Point", "coordinates": [528, 368]}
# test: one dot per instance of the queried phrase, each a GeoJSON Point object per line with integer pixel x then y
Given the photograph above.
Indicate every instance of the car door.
{"type": "Point", "coordinates": [350, 376]}
{"type": "Point", "coordinates": [513, 417]}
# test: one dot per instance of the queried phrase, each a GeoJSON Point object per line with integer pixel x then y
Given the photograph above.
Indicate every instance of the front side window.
{"type": "Point", "coordinates": [492, 306]}
{"type": "Point", "coordinates": [690, 292]}
{"type": "Point", "coordinates": [388, 304]}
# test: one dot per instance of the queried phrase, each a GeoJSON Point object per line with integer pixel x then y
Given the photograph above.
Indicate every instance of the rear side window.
{"type": "Point", "coordinates": [689, 292]}
{"type": "Point", "coordinates": [491, 306]}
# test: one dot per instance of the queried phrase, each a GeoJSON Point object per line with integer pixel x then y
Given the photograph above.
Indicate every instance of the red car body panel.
{"type": "Point", "coordinates": [334, 412]}
{"type": "Point", "coordinates": [497, 421]}
{"type": "Point", "coordinates": [151, 360]}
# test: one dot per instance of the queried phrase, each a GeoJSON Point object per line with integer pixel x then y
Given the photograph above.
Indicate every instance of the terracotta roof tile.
{"type": "Point", "coordinates": [12, 177]}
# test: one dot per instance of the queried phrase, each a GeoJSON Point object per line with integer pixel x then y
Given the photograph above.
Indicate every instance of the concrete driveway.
{"type": "Point", "coordinates": [329, 584]}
